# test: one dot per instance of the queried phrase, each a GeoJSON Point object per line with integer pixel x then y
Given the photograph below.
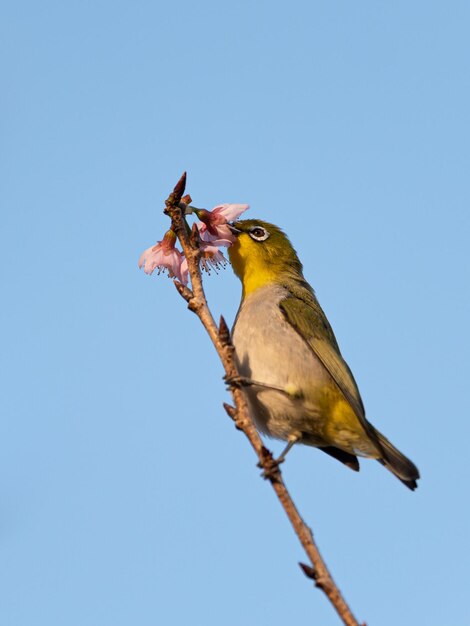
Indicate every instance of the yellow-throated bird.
{"type": "Point", "coordinates": [299, 387]}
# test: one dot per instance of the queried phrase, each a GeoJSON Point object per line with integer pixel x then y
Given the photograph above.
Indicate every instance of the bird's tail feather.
{"type": "Point", "coordinates": [397, 463]}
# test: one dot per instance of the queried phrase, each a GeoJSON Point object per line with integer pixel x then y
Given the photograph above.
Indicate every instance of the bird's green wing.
{"type": "Point", "coordinates": [305, 315]}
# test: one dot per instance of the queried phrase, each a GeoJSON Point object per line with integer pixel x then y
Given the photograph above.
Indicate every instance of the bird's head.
{"type": "Point", "coordinates": [262, 254]}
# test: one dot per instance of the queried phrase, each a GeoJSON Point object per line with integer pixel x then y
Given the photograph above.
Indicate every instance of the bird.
{"type": "Point", "coordinates": [298, 386]}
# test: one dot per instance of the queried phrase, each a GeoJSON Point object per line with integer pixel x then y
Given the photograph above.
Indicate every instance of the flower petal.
{"type": "Point", "coordinates": [183, 273]}
{"type": "Point", "coordinates": [151, 258]}
{"type": "Point", "coordinates": [223, 235]}
{"type": "Point", "coordinates": [164, 257]}
{"type": "Point", "coordinates": [212, 257]}
{"type": "Point", "coordinates": [230, 211]}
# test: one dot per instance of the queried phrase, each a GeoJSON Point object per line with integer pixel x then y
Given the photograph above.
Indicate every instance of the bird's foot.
{"type": "Point", "coordinates": [238, 381]}
{"type": "Point", "coordinates": [270, 465]}
{"type": "Point", "coordinates": [244, 381]}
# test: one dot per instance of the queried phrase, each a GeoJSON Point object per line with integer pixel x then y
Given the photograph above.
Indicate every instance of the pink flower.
{"type": "Point", "coordinates": [223, 213]}
{"type": "Point", "coordinates": [211, 257]}
{"type": "Point", "coordinates": [214, 227]}
{"type": "Point", "coordinates": [164, 256]}
{"type": "Point", "coordinates": [224, 238]}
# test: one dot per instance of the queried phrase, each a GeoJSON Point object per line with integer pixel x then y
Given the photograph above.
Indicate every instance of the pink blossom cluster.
{"type": "Point", "coordinates": [214, 233]}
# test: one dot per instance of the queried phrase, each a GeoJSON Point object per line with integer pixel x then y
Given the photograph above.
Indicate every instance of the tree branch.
{"type": "Point", "coordinates": [220, 337]}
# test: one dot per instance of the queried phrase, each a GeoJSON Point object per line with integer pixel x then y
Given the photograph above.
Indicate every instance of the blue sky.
{"type": "Point", "coordinates": [126, 495]}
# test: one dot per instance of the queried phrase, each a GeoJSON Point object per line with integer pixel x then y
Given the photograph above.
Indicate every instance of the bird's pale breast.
{"type": "Point", "coordinates": [270, 351]}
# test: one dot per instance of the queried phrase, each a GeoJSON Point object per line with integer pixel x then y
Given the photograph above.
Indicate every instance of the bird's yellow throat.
{"type": "Point", "coordinates": [249, 265]}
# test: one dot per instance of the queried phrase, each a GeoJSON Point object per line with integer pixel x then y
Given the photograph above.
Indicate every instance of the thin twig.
{"type": "Point", "coordinates": [220, 337]}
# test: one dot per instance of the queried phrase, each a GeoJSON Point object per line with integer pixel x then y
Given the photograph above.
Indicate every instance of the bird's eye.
{"type": "Point", "coordinates": [259, 234]}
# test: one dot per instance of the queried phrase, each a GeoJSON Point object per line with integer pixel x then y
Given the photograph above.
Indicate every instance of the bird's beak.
{"type": "Point", "coordinates": [235, 231]}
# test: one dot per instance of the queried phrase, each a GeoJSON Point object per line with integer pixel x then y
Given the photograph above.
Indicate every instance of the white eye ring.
{"type": "Point", "coordinates": [258, 233]}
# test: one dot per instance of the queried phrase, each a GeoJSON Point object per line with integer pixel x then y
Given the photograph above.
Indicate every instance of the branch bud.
{"type": "Point", "coordinates": [309, 571]}
{"type": "Point", "coordinates": [224, 332]}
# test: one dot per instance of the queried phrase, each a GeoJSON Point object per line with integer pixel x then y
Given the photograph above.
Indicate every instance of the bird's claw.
{"type": "Point", "coordinates": [270, 468]}
{"type": "Point", "coordinates": [237, 381]}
